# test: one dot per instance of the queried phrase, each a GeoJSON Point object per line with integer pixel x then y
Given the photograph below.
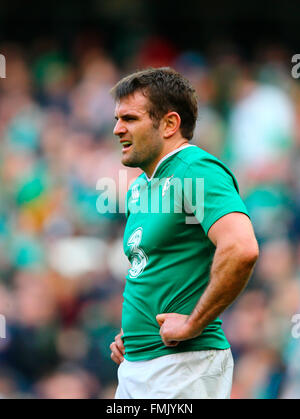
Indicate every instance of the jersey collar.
{"type": "Point", "coordinates": [166, 157]}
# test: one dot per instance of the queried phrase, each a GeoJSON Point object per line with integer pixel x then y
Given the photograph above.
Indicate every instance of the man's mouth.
{"type": "Point", "coordinates": [126, 145]}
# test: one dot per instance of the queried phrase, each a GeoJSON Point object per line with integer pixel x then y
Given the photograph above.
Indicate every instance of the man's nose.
{"type": "Point", "coordinates": [119, 128]}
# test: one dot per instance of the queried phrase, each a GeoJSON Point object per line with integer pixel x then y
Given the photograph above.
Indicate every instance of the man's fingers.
{"type": "Point", "coordinates": [116, 354]}
{"type": "Point", "coordinates": [115, 359]}
{"type": "Point", "coordinates": [160, 318]}
{"type": "Point", "coordinates": [120, 344]}
{"type": "Point", "coordinates": [114, 348]}
{"type": "Point", "coordinates": [171, 343]}
{"type": "Point", "coordinates": [117, 349]}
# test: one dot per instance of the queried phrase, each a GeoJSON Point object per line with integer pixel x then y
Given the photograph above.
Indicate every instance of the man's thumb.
{"type": "Point", "coordinates": [160, 318]}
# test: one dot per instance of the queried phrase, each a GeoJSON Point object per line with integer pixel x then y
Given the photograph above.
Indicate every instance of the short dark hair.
{"type": "Point", "coordinates": [167, 91]}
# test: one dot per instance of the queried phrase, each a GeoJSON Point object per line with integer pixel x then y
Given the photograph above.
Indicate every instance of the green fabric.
{"type": "Point", "coordinates": [170, 259]}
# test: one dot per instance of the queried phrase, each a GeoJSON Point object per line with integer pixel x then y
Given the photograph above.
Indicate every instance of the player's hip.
{"type": "Point", "coordinates": [194, 374]}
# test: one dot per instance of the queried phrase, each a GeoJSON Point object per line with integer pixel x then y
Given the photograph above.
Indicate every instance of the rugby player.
{"type": "Point", "coordinates": [189, 262]}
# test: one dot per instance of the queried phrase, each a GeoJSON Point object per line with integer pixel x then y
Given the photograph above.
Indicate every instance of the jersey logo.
{"type": "Point", "coordinates": [138, 258]}
{"type": "Point", "coordinates": [166, 185]}
{"type": "Point", "coordinates": [135, 193]}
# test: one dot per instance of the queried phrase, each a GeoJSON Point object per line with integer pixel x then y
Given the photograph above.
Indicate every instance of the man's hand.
{"type": "Point", "coordinates": [117, 349]}
{"type": "Point", "coordinates": [173, 328]}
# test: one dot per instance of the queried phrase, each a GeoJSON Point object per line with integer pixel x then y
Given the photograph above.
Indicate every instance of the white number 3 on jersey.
{"type": "Point", "coordinates": [138, 258]}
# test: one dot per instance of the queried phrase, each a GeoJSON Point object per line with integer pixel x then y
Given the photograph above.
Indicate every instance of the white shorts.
{"type": "Point", "coordinates": [185, 375]}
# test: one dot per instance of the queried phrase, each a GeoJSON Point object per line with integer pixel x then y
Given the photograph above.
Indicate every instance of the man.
{"type": "Point", "coordinates": [183, 274]}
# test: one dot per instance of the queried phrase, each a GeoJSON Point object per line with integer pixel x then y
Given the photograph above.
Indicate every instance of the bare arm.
{"type": "Point", "coordinates": [234, 259]}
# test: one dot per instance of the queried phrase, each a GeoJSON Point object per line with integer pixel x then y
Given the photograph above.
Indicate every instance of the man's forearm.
{"type": "Point", "coordinates": [230, 272]}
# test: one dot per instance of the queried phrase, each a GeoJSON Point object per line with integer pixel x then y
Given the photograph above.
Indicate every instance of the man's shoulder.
{"type": "Point", "coordinates": [195, 158]}
{"type": "Point", "coordinates": [193, 162]}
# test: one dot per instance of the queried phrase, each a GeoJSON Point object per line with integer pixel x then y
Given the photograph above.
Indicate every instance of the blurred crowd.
{"type": "Point", "coordinates": [62, 268]}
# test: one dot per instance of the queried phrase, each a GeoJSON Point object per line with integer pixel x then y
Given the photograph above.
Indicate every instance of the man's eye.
{"type": "Point", "coordinates": [129, 118]}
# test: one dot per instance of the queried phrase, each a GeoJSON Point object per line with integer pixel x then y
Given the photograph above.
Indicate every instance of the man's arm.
{"type": "Point", "coordinates": [234, 259]}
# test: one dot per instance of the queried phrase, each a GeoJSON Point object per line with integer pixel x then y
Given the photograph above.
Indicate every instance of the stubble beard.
{"type": "Point", "coordinates": [133, 160]}
{"type": "Point", "coordinates": [143, 158]}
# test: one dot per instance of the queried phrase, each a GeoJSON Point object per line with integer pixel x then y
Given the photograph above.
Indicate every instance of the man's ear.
{"type": "Point", "coordinates": [171, 124]}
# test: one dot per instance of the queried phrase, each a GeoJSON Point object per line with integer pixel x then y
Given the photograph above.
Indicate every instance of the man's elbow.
{"type": "Point", "coordinates": [248, 253]}
{"type": "Point", "coordinates": [243, 251]}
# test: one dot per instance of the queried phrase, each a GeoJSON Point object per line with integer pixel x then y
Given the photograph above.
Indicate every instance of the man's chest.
{"type": "Point", "coordinates": [153, 232]}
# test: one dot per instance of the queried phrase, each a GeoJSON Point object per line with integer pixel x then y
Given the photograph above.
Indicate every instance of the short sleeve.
{"type": "Point", "coordinates": [211, 192]}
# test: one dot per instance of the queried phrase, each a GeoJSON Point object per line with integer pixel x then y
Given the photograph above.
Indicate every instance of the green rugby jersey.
{"type": "Point", "coordinates": [165, 240]}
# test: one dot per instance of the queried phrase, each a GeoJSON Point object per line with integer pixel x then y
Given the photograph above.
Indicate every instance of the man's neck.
{"type": "Point", "coordinates": [166, 150]}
